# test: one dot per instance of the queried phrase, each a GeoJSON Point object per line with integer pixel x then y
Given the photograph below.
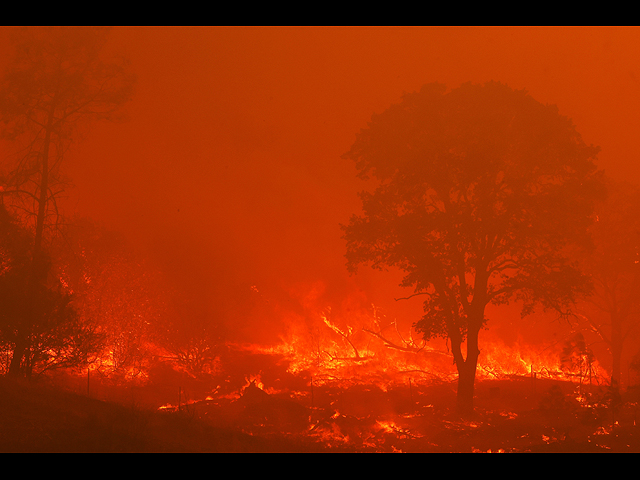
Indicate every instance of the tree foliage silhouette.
{"type": "Point", "coordinates": [480, 191]}
{"type": "Point", "coordinates": [57, 337]}
{"type": "Point", "coordinates": [56, 82]}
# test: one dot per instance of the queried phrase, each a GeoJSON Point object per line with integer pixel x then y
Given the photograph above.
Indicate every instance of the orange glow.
{"type": "Point", "coordinates": [198, 226]}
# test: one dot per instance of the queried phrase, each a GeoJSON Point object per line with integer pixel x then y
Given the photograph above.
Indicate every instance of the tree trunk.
{"type": "Point", "coordinates": [466, 386]}
{"type": "Point", "coordinates": [467, 375]}
{"type": "Point", "coordinates": [16, 359]}
{"type": "Point", "coordinates": [42, 201]}
{"type": "Point", "coordinates": [38, 272]}
{"type": "Point", "coordinates": [616, 350]}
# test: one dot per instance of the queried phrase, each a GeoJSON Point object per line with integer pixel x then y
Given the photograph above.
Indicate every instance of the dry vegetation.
{"type": "Point", "coordinates": [513, 415]}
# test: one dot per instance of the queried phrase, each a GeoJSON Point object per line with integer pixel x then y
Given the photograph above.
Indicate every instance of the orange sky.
{"type": "Point", "coordinates": [228, 170]}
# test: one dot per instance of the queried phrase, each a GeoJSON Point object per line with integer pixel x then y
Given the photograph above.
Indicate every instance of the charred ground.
{"type": "Point", "coordinates": [517, 414]}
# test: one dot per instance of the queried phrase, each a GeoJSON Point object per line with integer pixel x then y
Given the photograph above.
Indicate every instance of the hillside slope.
{"type": "Point", "coordinates": [41, 418]}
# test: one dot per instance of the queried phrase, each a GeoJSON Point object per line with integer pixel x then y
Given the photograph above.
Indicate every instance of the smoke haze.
{"type": "Point", "coordinates": [228, 173]}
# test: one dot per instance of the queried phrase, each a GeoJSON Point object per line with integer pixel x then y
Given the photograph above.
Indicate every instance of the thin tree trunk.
{"type": "Point", "coordinates": [616, 350]}
{"type": "Point", "coordinates": [16, 358]}
{"type": "Point", "coordinates": [38, 272]}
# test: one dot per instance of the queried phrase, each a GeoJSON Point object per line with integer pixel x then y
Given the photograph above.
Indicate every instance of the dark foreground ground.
{"type": "Point", "coordinates": [513, 415]}
{"type": "Point", "coordinates": [43, 418]}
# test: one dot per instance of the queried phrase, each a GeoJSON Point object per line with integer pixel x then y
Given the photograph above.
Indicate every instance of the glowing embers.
{"type": "Point", "coordinates": [390, 426]}
{"type": "Point", "coordinates": [253, 380]}
{"type": "Point", "coordinates": [477, 450]}
{"type": "Point", "coordinates": [329, 432]}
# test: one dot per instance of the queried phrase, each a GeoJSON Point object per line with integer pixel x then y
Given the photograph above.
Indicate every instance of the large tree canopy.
{"type": "Point", "coordinates": [481, 191]}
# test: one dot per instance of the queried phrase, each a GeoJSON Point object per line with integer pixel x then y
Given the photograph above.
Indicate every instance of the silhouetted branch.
{"type": "Point", "coordinates": [411, 296]}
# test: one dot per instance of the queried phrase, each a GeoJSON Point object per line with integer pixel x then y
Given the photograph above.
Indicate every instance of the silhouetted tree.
{"type": "Point", "coordinates": [577, 357]}
{"type": "Point", "coordinates": [612, 312]}
{"type": "Point", "coordinates": [57, 338]}
{"type": "Point", "coordinates": [480, 190]}
{"type": "Point", "coordinates": [56, 82]}
{"type": "Point", "coordinates": [195, 346]}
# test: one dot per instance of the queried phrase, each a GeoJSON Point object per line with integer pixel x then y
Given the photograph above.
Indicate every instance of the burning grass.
{"type": "Point", "coordinates": [517, 414]}
{"type": "Point", "coordinates": [341, 389]}
{"type": "Point", "coordinates": [382, 412]}
{"type": "Point", "coordinates": [512, 415]}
